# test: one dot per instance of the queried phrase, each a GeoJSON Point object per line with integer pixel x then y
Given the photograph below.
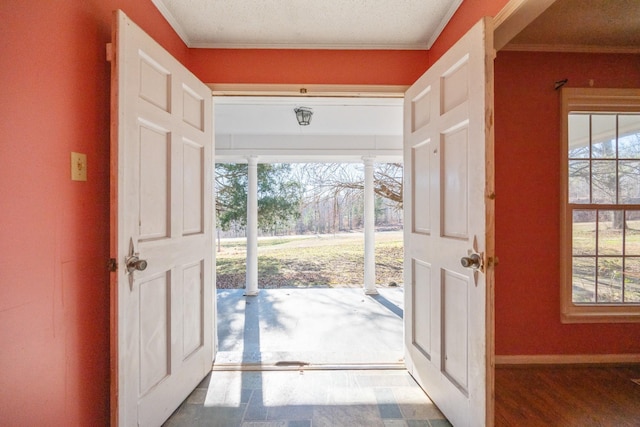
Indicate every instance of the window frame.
{"type": "Point", "coordinates": [587, 100]}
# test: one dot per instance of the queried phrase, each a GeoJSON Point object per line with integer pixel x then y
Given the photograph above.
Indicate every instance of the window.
{"type": "Point", "coordinates": [600, 244]}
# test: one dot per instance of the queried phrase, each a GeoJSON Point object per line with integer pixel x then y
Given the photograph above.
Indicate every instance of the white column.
{"type": "Point", "coordinates": [369, 229]}
{"type": "Point", "coordinates": [251, 285]}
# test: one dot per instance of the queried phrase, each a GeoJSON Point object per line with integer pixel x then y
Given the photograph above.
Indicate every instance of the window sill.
{"type": "Point", "coordinates": [600, 314]}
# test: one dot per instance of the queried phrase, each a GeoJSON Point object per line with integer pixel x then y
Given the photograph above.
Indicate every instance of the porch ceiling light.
{"type": "Point", "coordinates": [303, 114]}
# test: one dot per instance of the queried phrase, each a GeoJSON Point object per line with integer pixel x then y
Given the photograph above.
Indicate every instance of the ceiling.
{"type": "Point", "coordinates": [583, 26]}
{"type": "Point", "coordinates": [308, 24]}
{"type": "Point", "coordinates": [566, 25]}
{"type": "Point", "coordinates": [341, 129]}
{"type": "Point", "coordinates": [331, 116]}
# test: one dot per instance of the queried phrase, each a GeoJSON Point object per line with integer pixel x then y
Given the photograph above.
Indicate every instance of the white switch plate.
{"type": "Point", "coordinates": [78, 166]}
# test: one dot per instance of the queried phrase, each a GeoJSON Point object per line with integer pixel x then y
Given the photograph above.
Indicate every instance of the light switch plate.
{"type": "Point", "coordinates": [78, 166]}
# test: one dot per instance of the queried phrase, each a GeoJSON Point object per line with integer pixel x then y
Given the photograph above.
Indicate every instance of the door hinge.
{"type": "Point", "coordinates": [109, 52]}
{"type": "Point", "coordinates": [112, 265]}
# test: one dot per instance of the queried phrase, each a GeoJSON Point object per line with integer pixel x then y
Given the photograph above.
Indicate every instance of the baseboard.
{"type": "Point", "coordinates": [567, 359]}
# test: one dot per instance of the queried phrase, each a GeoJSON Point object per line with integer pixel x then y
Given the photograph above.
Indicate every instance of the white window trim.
{"type": "Point", "coordinates": [587, 100]}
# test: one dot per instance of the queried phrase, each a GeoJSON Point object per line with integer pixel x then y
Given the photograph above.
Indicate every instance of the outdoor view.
{"type": "Point", "coordinates": [604, 194]}
{"type": "Point", "coordinates": [310, 220]}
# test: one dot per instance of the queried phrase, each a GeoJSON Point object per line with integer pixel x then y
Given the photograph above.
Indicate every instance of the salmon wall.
{"type": "Point", "coordinates": [54, 232]}
{"type": "Point", "coordinates": [308, 66]}
{"type": "Point", "coordinates": [527, 167]}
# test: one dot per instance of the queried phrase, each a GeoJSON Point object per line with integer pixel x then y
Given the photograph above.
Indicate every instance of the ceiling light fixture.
{"type": "Point", "coordinates": [303, 114]}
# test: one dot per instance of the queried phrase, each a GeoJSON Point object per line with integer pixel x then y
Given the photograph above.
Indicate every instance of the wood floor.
{"type": "Point", "coordinates": [567, 396]}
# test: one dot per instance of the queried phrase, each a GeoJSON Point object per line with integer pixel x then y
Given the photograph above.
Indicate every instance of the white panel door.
{"type": "Point", "coordinates": [448, 158]}
{"type": "Point", "coordinates": [161, 212]}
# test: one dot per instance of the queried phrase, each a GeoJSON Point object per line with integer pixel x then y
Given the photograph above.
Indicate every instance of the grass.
{"type": "Point", "coordinates": [311, 261]}
{"type": "Point", "coordinates": [613, 283]}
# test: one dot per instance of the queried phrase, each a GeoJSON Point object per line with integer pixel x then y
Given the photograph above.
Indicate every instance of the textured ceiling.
{"type": "Point", "coordinates": [583, 25]}
{"type": "Point", "coordinates": [319, 24]}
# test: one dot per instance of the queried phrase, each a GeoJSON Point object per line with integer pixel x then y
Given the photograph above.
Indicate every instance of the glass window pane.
{"type": "Point", "coordinates": [632, 280]}
{"type": "Point", "coordinates": [632, 233]}
{"type": "Point", "coordinates": [609, 279]}
{"type": "Point", "coordinates": [629, 136]}
{"type": "Point", "coordinates": [610, 226]}
{"type": "Point", "coordinates": [604, 183]}
{"type": "Point", "coordinates": [603, 136]}
{"type": "Point", "coordinates": [584, 232]}
{"type": "Point", "coordinates": [584, 280]}
{"type": "Point", "coordinates": [579, 181]}
{"type": "Point", "coordinates": [604, 169]}
{"type": "Point", "coordinates": [578, 136]}
{"type": "Point", "coordinates": [629, 176]}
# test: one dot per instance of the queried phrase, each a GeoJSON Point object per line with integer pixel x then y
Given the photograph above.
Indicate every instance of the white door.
{"type": "Point", "coordinates": [161, 212]}
{"type": "Point", "coordinates": [448, 158]}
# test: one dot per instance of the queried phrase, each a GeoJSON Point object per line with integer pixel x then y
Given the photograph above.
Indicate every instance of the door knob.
{"type": "Point", "coordinates": [473, 261]}
{"type": "Point", "coordinates": [134, 263]}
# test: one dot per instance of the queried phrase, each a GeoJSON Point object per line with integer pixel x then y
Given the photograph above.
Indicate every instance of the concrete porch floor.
{"type": "Point", "coordinates": [338, 326]}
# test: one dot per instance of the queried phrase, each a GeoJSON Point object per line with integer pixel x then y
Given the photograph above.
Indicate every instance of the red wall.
{"type": "Point", "coordinates": [277, 66]}
{"type": "Point", "coordinates": [54, 233]}
{"type": "Point", "coordinates": [527, 126]}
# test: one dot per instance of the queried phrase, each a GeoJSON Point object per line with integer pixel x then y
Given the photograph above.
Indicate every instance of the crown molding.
{"type": "Point", "coordinates": [173, 22]}
{"type": "Point", "coordinates": [310, 46]}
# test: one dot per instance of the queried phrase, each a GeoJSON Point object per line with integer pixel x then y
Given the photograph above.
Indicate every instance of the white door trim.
{"type": "Point", "coordinates": [310, 90]}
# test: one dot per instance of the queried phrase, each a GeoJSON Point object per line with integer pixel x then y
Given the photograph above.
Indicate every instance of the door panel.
{"type": "Point", "coordinates": [193, 290]}
{"type": "Point", "coordinates": [193, 181]}
{"type": "Point", "coordinates": [421, 188]}
{"type": "Point", "coordinates": [154, 331]}
{"type": "Point", "coordinates": [421, 308]}
{"type": "Point", "coordinates": [454, 172]}
{"type": "Point", "coordinates": [154, 179]}
{"type": "Point", "coordinates": [162, 209]}
{"type": "Point", "coordinates": [448, 150]}
{"type": "Point", "coordinates": [455, 318]}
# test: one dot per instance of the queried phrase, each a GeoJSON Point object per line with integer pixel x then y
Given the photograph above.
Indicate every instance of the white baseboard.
{"type": "Point", "coordinates": [566, 359]}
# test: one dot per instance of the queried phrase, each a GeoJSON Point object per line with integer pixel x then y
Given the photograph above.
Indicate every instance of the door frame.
{"type": "Point", "coordinates": [397, 91]}
{"type": "Point", "coordinates": [308, 90]}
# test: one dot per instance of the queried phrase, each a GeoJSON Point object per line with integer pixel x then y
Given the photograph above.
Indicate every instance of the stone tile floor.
{"type": "Point", "coordinates": [308, 398]}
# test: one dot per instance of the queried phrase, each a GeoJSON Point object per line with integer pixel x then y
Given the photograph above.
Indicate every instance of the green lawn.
{"type": "Point", "coordinates": [613, 281]}
{"type": "Point", "coordinates": [305, 261]}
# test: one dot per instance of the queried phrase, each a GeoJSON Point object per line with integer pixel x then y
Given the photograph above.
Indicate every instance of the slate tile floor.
{"type": "Point", "coordinates": [308, 398]}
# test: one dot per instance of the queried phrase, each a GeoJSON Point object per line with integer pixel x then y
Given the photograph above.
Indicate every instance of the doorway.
{"type": "Point", "coordinates": [288, 326]}
{"type": "Point", "coordinates": [469, 56]}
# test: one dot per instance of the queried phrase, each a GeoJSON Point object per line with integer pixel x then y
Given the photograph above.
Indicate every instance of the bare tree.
{"type": "Point", "coordinates": [344, 177]}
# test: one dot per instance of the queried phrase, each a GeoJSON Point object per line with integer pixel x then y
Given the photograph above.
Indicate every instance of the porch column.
{"type": "Point", "coordinates": [251, 286]}
{"type": "Point", "coordinates": [369, 229]}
